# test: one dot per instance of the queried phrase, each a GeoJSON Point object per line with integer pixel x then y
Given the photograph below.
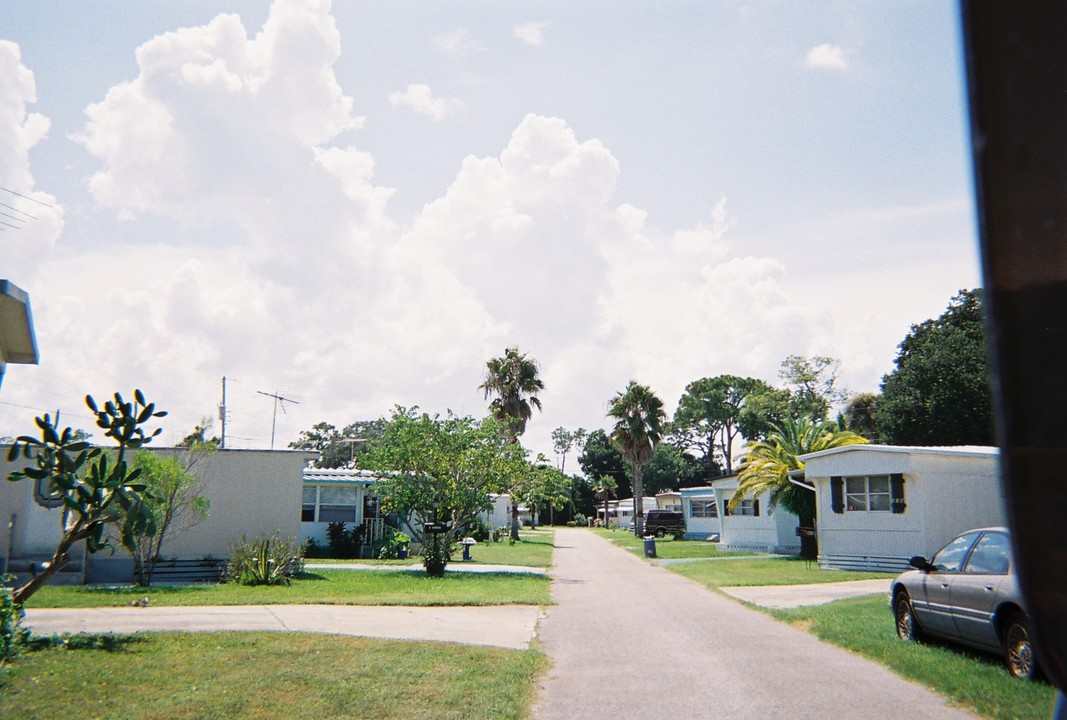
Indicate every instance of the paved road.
{"type": "Point", "coordinates": [631, 640]}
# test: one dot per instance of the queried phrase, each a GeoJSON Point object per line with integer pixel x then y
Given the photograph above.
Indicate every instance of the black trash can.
{"type": "Point", "coordinates": [650, 546]}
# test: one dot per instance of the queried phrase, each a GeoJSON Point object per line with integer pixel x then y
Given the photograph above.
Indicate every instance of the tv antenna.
{"type": "Point", "coordinates": [278, 400]}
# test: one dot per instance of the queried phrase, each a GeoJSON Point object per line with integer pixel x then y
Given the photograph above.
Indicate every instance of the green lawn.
{"type": "Point", "coordinates": [668, 548]}
{"type": "Point", "coordinates": [283, 676]}
{"type": "Point", "coordinates": [976, 680]}
{"type": "Point", "coordinates": [773, 571]}
{"type": "Point", "coordinates": [534, 549]}
{"type": "Point", "coordinates": [336, 587]}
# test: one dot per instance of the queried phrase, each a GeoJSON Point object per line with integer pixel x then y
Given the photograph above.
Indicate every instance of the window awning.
{"type": "Point", "coordinates": [18, 344]}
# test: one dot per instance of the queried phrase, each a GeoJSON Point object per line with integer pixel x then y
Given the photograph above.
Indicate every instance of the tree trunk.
{"type": "Point", "coordinates": [514, 521]}
{"type": "Point", "coordinates": [639, 502]}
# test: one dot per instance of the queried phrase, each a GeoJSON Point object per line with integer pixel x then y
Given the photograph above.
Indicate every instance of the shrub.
{"type": "Point", "coordinates": [393, 543]}
{"type": "Point", "coordinates": [12, 635]}
{"type": "Point", "coordinates": [264, 561]}
{"type": "Point", "coordinates": [312, 549]}
{"type": "Point", "coordinates": [580, 520]}
{"type": "Point", "coordinates": [479, 529]}
{"type": "Point", "coordinates": [436, 554]}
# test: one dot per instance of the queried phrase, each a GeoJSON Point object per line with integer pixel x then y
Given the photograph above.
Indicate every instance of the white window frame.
{"type": "Point", "coordinates": [745, 508]}
{"type": "Point", "coordinates": [863, 500]}
{"type": "Point", "coordinates": [707, 508]}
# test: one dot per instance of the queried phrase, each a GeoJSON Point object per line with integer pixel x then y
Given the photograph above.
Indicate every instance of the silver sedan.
{"type": "Point", "coordinates": [967, 593]}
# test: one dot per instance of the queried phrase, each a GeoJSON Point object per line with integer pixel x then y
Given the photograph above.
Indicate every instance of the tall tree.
{"type": "Point", "coordinates": [939, 393]}
{"type": "Point", "coordinates": [769, 461]}
{"type": "Point", "coordinates": [338, 448]}
{"type": "Point", "coordinates": [564, 440]}
{"type": "Point", "coordinates": [708, 418]}
{"type": "Point", "coordinates": [859, 415]}
{"type": "Point", "coordinates": [604, 487]}
{"type": "Point", "coordinates": [601, 457]}
{"type": "Point", "coordinates": [639, 421]}
{"type": "Point", "coordinates": [514, 380]}
{"type": "Point", "coordinates": [814, 383]}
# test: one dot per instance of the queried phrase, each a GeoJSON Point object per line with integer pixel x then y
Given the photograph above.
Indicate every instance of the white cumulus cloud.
{"type": "Point", "coordinates": [827, 57]}
{"type": "Point", "coordinates": [30, 220]}
{"type": "Point", "coordinates": [420, 98]}
{"type": "Point", "coordinates": [531, 33]}
{"type": "Point", "coordinates": [459, 44]}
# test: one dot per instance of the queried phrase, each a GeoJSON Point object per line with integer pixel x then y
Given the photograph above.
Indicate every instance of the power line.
{"type": "Point", "coordinates": [27, 197]}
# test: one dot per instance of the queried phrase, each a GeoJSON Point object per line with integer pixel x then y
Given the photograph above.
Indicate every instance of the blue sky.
{"type": "Point", "coordinates": [356, 205]}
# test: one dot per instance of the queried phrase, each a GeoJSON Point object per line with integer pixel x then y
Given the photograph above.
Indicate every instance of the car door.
{"type": "Point", "coordinates": [976, 590]}
{"type": "Point", "coordinates": [934, 608]}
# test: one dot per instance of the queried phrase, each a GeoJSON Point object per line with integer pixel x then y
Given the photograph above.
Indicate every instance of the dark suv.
{"type": "Point", "coordinates": [662, 522]}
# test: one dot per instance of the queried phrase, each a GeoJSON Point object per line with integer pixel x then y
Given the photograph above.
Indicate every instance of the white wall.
{"type": "Point", "coordinates": [946, 491]}
{"type": "Point", "coordinates": [770, 531]}
{"type": "Point", "coordinates": [700, 527]}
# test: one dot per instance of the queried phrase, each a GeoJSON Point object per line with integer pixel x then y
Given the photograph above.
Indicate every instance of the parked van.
{"type": "Point", "coordinates": [664, 522]}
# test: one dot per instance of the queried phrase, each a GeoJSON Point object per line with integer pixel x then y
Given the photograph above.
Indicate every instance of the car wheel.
{"type": "Point", "coordinates": [1018, 653]}
{"type": "Point", "coordinates": [660, 532]}
{"type": "Point", "coordinates": [907, 627]}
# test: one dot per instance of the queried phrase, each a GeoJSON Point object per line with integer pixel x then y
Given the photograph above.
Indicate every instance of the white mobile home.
{"type": "Point", "coordinates": [339, 496]}
{"type": "Point", "coordinates": [754, 525]}
{"type": "Point", "coordinates": [252, 493]}
{"type": "Point", "coordinates": [701, 512]}
{"type": "Point", "coordinates": [878, 505]}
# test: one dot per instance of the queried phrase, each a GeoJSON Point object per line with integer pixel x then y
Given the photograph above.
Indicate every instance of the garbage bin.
{"type": "Point", "coordinates": [650, 546]}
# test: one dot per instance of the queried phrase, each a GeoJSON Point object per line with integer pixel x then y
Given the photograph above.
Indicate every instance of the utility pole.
{"type": "Point", "coordinates": [222, 414]}
{"type": "Point", "coordinates": [278, 400]}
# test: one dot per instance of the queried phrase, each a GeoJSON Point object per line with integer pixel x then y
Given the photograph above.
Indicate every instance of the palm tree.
{"type": "Point", "coordinates": [769, 462]}
{"type": "Point", "coordinates": [514, 380]}
{"type": "Point", "coordinates": [604, 488]}
{"type": "Point", "coordinates": [639, 422]}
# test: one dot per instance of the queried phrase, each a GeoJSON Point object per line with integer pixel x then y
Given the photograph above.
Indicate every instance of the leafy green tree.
{"type": "Point", "coordinates": [814, 382]}
{"type": "Point", "coordinates": [768, 463]}
{"type": "Point", "coordinates": [859, 415]}
{"type": "Point", "coordinates": [639, 422]}
{"type": "Point", "coordinates": [763, 411]}
{"type": "Point", "coordinates": [338, 448]}
{"type": "Point", "coordinates": [665, 470]}
{"type": "Point", "coordinates": [198, 438]}
{"type": "Point", "coordinates": [564, 440]}
{"type": "Point", "coordinates": [604, 487]}
{"type": "Point", "coordinates": [601, 457]}
{"type": "Point", "coordinates": [515, 381]}
{"type": "Point", "coordinates": [939, 393]}
{"type": "Point", "coordinates": [96, 489]}
{"type": "Point", "coordinates": [543, 486]}
{"type": "Point", "coordinates": [172, 495]}
{"type": "Point", "coordinates": [441, 469]}
{"type": "Point", "coordinates": [708, 418]}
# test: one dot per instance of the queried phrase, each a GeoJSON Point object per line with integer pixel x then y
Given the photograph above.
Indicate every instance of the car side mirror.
{"type": "Point", "coordinates": [920, 563]}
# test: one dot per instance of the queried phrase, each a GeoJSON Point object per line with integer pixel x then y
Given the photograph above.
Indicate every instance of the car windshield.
{"type": "Point", "coordinates": [950, 557]}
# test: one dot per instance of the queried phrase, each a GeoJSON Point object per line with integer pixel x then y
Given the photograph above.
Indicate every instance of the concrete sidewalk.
{"type": "Point", "coordinates": [454, 566]}
{"type": "Point", "coordinates": [506, 626]}
{"type": "Point", "coordinates": [629, 640]}
{"type": "Point", "coordinates": [781, 597]}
